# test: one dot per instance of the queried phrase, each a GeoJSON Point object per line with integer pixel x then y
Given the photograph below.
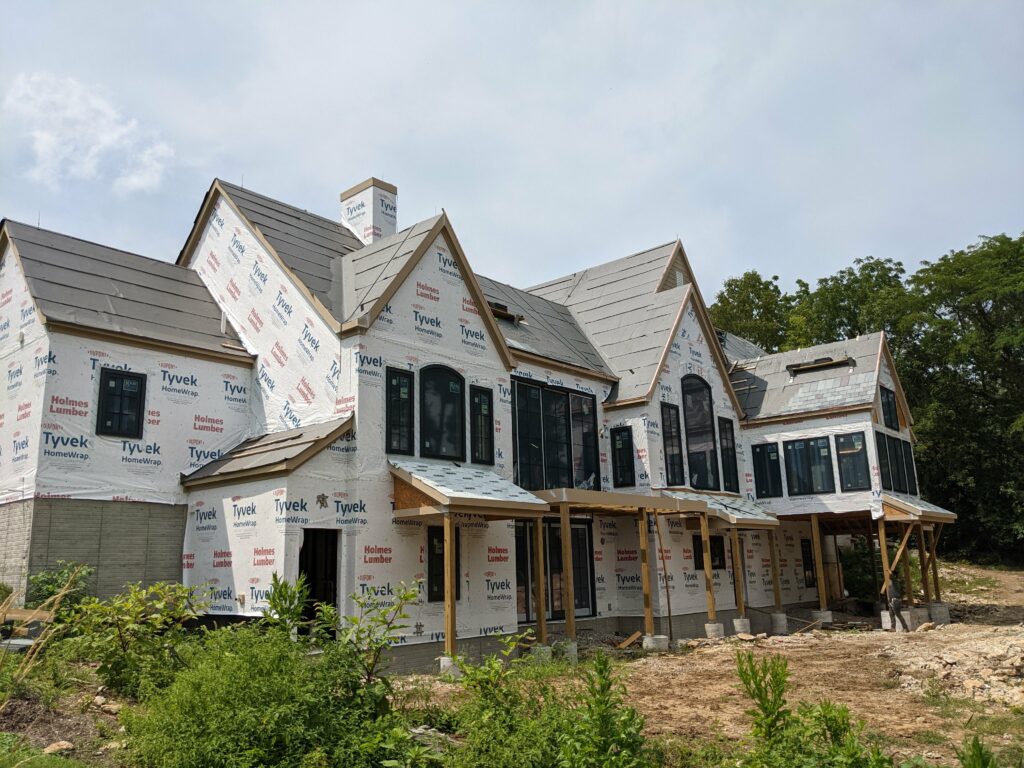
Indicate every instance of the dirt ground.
{"type": "Point", "coordinates": [919, 693]}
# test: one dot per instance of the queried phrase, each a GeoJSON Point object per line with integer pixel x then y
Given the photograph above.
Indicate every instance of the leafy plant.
{"type": "Point", "coordinates": [604, 732]}
{"type": "Point", "coordinates": [976, 755]}
{"type": "Point", "coordinates": [286, 603]}
{"type": "Point", "coordinates": [375, 627]}
{"type": "Point", "coordinates": [72, 580]}
{"type": "Point", "coordinates": [136, 636]}
{"type": "Point", "coordinates": [765, 682]}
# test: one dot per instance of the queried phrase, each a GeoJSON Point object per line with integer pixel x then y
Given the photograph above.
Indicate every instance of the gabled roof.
{"type": "Point", "coordinates": [277, 453]}
{"type": "Point", "coordinates": [80, 286]}
{"type": "Point", "coordinates": [449, 484]}
{"type": "Point", "coordinates": [547, 329]}
{"type": "Point", "coordinates": [790, 384]}
{"type": "Point", "coordinates": [639, 273]}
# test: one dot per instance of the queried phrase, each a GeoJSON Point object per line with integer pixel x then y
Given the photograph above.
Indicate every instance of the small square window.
{"type": "Point", "coordinates": [122, 403]}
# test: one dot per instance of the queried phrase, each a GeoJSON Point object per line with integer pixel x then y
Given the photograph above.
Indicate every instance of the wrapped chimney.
{"type": "Point", "coordinates": [370, 210]}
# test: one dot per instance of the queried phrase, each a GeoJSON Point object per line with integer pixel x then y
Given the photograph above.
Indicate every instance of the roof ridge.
{"type": "Point", "coordinates": [532, 288]}
{"type": "Point", "coordinates": [314, 214]}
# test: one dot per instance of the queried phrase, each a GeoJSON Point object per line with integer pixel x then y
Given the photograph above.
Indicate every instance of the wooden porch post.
{"type": "Point", "coordinates": [922, 556]}
{"type": "Point", "coordinates": [738, 576]}
{"type": "Point", "coordinates": [819, 566]}
{"type": "Point", "coordinates": [568, 593]}
{"type": "Point", "coordinates": [936, 532]}
{"type": "Point", "coordinates": [645, 573]}
{"type": "Point", "coordinates": [450, 577]}
{"type": "Point", "coordinates": [883, 549]}
{"type": "Point", "coordinates": [664, 575]}
{"type": "Point", "coordinates": [709, 584]}
{"type": "Point", "coordinates": [540, 588]}
{"type": "Point", "coordinates": [776, 586]}
{"type": "Point", "coordinates": [908, 587]}
{"type": "Point", "coordinates": [871, 554]}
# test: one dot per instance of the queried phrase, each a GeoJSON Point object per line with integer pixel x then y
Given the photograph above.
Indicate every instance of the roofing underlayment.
{"type": "Point", "coordinates": [89, 285]}
{"type": "Point", "coordinates": [767, 388]}
{"type": "Point", "coordinates": [732, 509]}
{"type": "Point", "coordinates": [278, 452]}
{"type": "Point", "coordinates": [738, 348]}
{"type": "Point", "coordinates": [919, 508]}
{"type": "Point", "coordinates": [462, 483]}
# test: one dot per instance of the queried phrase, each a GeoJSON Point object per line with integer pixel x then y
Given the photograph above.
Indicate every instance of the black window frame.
{"type": "Point", "coordinates": [807, 556]}
{"type": "Point", "coordinates": [884, 468]}
{"type": "Point", "coordinates": [435, 578]}
{"type": "Point", "coordinates": [730, 469]}
{"type": "Point", "coordinates": [429, 453]}
{"type": "Point", "coordinates": [890, 409]}
{"type": "Point", "coordinates": [773, 479]}
{"type": "Point", "coordinates": [481, 425]}
{"type": "Point", "coordinates": [104, 406]}
{"type": "Point", "coordinates": [620, 477]}
{"type": "Point", "coordinates": [408, 429]}
{"type": "Point", "coordinates": [910, 467]}
{"type": "Point", "coordinates": [793, 476]}
{"type": "Point", "coordinates": [672, 441]}
{"type": "Point", "coordinates": [717, 546]}
{"type": "Point", "coordinates": [848, 458]}
{"type": "Point", "coordinates": [589, 442]}
{"type": "Point", "coordinates": [897, 466]}
{"type": "Point", "coordinates": [710, 457]}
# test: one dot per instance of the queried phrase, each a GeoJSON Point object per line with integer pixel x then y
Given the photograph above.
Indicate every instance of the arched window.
{"type": "Point", "coordinates": [699, 416]}
{"type": "Point", "coordinates": [442, 414]}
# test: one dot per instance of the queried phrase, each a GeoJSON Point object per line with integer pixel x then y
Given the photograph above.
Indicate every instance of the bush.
{"type": "Point", "coordinates": [73, 581]}
{"type": "Point", "coordinates": [137, 637]}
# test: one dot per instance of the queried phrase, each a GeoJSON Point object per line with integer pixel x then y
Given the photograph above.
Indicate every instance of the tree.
{"type": "Point", "coordinates": [754, 308]}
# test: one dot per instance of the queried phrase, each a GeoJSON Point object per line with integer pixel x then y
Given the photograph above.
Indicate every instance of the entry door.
{"type": "Point", "coordinates": [318, 562]}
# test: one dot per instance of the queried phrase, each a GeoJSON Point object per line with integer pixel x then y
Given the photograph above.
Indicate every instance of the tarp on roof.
{"type": "Point", "coordinates": [733, 510]}
{"type": "Point", "coordinates": [93, 286]}
{"type": "Point", "coordinates": [276, 452]}
{"type": "Point", "coordinates": [307, 243]}
{"type": "Point", "coordinates": [918, 508]}
{"type": "Point", "coordinates": [766, 388]}
{"type": "Point", "coordinates": [550, 329]}
{"type": "Point", "coordinates": [463, 484]}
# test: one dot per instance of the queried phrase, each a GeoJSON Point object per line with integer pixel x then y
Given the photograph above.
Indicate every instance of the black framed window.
{"type": "Point", "coordinates": [809, 466]}
{"type": "Point", "coordinates": [767, 472]}
{"type": "Point", "coordinates": [908, 464]}
{"type": "Point", "coordinates": [554, 438]}
{"type": "Point", "coordinates": [399, 412]}
{"type": "Point", "coordinates": [896, 464]}
{"type": "Point", "coordinates": [673, 438]}
{"type": "Point", "coordinates": [852, 453]}
{"type": "Point", "coordinates": [727, 442]}
{"type": "Point", "coordinates": [122, 403]}
{"type": "Point", "coordinates": [481, 425]}
{"type": "Point", "coordinates": [890, 414]}
{"type": "Point", "coordinates": [586, 465]}
{"type": "Point", "coordinates": [698, 415]}
{"type": "Point", "coordinates": [807, 556]}
{"type": "Point", "coordinates": [883, 461]}
{"type": "Point", "coordinates": [435, 564]}
{"type": "Point", "coordinates": [623, 467]}
{"type": "Point", "coordinates": [717, 546]}
{"type": "Point", "coordinates": [442, 414]}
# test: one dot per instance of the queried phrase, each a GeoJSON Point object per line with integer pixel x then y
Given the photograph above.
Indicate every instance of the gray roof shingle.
{"type": "Point", "coordinates": [90, 285]}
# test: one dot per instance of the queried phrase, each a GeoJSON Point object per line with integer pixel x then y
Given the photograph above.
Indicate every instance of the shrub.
{"type": "Point", "coordinates": [286, 603]}
{"type": "Point", "coordinates": [73, 581]}
{"type": "Point", "coordinates": [256, 697]}
{"type": "Point", "coordinates": [137, 637]}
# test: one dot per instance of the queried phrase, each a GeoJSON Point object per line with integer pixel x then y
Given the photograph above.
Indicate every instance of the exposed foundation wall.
{"type": "Point", "coordinates": [125, 541]}
{"type": "Point", "coordinates": [15, 534]}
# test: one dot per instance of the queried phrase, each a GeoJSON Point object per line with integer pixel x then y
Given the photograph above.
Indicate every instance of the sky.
{"type": "Point", "coordinates": [786, 137]}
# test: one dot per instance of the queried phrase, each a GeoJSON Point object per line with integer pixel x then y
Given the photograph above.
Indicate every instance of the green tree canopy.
{"type": "Point", "coordinates": [754, 308]}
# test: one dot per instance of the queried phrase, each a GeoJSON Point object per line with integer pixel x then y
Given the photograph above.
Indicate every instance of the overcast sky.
{"type": "Point", "coordinates": [786, 137]}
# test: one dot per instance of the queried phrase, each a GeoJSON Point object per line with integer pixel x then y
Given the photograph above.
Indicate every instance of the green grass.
{"type": "Point", "coordinates": [928, 738]}
{"type": "Point", "coordinates": [14, 753]}
{"type": "Point", "coordinates": [962, 581]}
{"type": "Point", "coordinates": [991, 723]}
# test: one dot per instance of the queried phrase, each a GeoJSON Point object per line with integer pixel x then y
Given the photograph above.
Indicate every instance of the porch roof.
{"type": "Point", "coordinates": [734, 510]}
{"type": "Point", "coordinates": [425, 486]}
{"type": "Point", "coordinates": [582, 500]}
{"type": "Point", "coordinates": [898, 506]}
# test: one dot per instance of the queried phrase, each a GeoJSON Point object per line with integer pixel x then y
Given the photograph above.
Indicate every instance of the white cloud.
{"type": "Point", "coordinates": [77, 134]}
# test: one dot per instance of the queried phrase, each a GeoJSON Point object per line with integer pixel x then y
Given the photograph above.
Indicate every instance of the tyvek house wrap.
{"type": "Point", "coordinates": [300, 373]}
{"type": "Point", "coordinates": [194, 410]}
{"type": "Point", "coordinates": [25, 359]}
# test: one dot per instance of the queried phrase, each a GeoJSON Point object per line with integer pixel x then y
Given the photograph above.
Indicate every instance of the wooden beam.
{"type": "Point", "coordinates": [883, 549]}
{"type": "Point", "coordinates": [839, 568]}
{"type": "Point", "coordinates": [901, 549]}
{"type": "Point", "coordinates": [922, 556]}
{"type": "Point", "coordinates": [709, 582]}
{"type": "Point", "coordinates": [568, 594]}
{"type": "Point", "coordinates": [540, 598]}
{"type": "Point", "coordinates": [776, 586]}
{"type": "Point", "coordinates": [738, 577]}
{"type": "Point", "coordinates": [450, 576]}
{"type": "Point", "coordinates": [819, 566]}
{"type": "Point", "coordinates": [645, 573]}
{"type": "Point", "coordinates": [908, 587]}
{"type": "Point", "coordinates": [664, 574]}
{"type": "Point", "coordinates": [934, 562]}
{"type": "Point", "coordinates": [871, 554]}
